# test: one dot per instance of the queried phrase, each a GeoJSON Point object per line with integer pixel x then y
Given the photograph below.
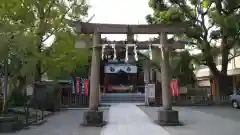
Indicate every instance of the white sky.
{"type": "Point", "coordinates": [120, 12]}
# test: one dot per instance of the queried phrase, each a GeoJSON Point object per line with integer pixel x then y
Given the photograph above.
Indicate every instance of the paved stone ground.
{"type": "Point", "coordinates": [63, 123]}
{"type": "Point", "coordinates": [128, 119]}
{"type": "Point", "coordinates": [199, 121]}
{"type": "Point", "coordinates": [222, 111]}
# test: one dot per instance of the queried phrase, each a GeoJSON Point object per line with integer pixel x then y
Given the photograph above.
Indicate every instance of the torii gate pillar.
{"type": "Point", "coordinates": [166, 116]}
{"type": "Point", "coordinates": [93, 116]}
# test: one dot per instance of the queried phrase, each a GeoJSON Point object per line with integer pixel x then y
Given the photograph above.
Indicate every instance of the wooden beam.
{"type": "Point", "coordinates": [90, 28]}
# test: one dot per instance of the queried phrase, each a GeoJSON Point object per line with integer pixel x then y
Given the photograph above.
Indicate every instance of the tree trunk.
{"type": "Point", "coordinates": [220, 77]}
{"type": "Point", "coordinates": [222, 82]}
{"type": "Point", "coordinates": [224, 54]}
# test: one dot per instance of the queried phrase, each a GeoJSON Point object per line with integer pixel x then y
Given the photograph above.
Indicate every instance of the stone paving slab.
{"type": "Point", "coordinates": [198, 123]}
{"type": "Point", "coordinates": [128, 119]}
{"type": "Point", "coordinates": [62, 123]}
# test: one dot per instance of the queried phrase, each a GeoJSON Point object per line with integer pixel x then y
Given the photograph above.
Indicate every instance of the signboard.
{"type": "Point", "coordinates": [149, 92]}
{"type": "Point", "coordinates": [115, 68]}
{"type": "Point", "coordinates": [174, 87]}
{"type": "Point", "coordinates": [183, 90]}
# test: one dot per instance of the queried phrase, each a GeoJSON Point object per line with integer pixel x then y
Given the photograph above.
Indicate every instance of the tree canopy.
{"type": "Point", "coordinates": [36, 36]}
{"type": "Point", "coordinates": [212, 26]}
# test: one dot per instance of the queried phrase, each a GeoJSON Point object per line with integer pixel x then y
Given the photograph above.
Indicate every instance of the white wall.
{"type": "Point", "coordinates": [233, 67]}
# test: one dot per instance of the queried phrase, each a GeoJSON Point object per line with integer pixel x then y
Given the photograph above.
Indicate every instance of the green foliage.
{"type": "Point", "coordinates": [182, 67]}
{"type": "Point", "coordinates": [26, 25]}
{"type": "Point", "coordinates": [64, 58]}
{"type": "Point", "coordinates": [202, 19]}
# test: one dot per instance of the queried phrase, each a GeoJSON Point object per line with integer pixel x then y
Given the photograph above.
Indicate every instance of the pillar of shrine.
{"type": "Point", "coordinates": [166, 116]}
{"type": "Point", "coordinates": [93, 116]}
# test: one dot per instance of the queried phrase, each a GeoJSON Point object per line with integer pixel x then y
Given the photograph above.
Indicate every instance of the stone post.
{"type": "Point", "coordinates": [167, 116]}
{"type": "Point", "coordinates": [94, 117]}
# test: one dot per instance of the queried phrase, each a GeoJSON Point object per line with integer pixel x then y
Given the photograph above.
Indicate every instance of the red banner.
{"type": "Point", "coordinates": [174, 87]}
{"type": "Point", "coordinates": [77, 85]}
{"type": "Point", "coordinates": [85, 87]}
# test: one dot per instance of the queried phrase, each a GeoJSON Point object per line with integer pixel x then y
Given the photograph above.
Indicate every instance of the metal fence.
{"type": "Point", "coordinates": [73, 100]}
{"type": "Point", "coordinates": [79, 101]}
{"type": "Point", "coordinates": [195, 100]}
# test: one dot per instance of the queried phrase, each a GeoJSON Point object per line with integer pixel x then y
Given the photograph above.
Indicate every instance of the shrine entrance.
{"type": "Point", "coordinates": [162, 45]}
{"type": "Point", "coordinates": [120, 78]}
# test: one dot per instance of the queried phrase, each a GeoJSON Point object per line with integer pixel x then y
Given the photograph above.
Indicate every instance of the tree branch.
{"type": "Point", "coordinates": [188, 14]}
{"type": "Point", "coordinates": [49, 7]}
{"type": "Point", "coordinates": [56, 29]}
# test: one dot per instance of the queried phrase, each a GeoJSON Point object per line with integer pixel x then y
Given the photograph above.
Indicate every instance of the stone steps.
{"type": "Point", "coordinates": [122, 98]}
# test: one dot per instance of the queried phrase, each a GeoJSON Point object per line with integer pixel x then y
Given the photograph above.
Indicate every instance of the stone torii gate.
{"type": "Point", "coordinates": [93, 116]}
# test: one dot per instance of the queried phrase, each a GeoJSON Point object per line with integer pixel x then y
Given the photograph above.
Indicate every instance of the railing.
{"type": "Point", "coordinates": [195, 100]}
{"type": "Point", "coordinates": [73, 100]}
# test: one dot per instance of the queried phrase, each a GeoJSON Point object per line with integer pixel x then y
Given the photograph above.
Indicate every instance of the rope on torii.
{"type": "Point", "coordinates": [150, 51]}
{"type": "Point", "coordinates": [135, 50]}
{"type": "Point", "coordinates": [103, 50]}
{"type": "Point", "coordinates": [109, 45]}
{"type": "Point", "coordinates": [126, 53]}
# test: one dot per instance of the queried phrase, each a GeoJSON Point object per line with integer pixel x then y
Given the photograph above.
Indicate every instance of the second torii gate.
{"type": "Point", "coordinates": [94, 117]}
